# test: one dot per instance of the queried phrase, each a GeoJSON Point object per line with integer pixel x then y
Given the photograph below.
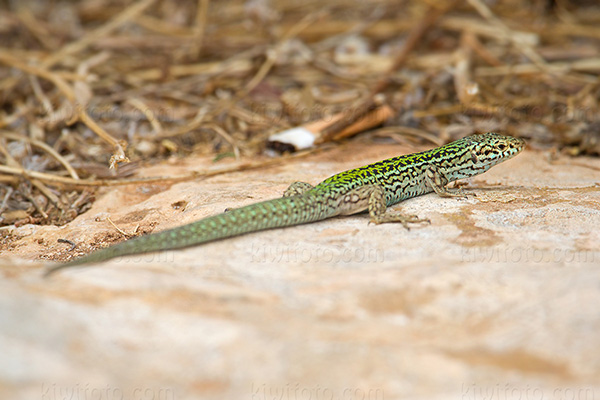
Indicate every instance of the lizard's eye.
{"type": "Point", "coordinates": [501, 147]}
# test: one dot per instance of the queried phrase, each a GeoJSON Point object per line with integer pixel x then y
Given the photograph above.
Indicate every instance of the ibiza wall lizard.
{"type": "Point", "coordinates": [371, 188]}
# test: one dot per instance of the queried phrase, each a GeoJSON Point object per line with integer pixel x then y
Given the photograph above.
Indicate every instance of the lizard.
{"type": "Point", "coordinates": [371, 188]}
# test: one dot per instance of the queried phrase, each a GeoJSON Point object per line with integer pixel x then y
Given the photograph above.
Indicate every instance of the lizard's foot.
{"type": "Point", "coordinates": [456, 193]}
{"type": "Point", "coordinates": [377, 210]}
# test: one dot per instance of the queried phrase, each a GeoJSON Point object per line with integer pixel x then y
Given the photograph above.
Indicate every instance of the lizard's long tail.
{"type": "Point", "coordinates": [276, 213]}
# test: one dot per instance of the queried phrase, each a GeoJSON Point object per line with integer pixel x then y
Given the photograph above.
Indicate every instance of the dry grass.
{"type": "Point", "coordinates": [91, 84]}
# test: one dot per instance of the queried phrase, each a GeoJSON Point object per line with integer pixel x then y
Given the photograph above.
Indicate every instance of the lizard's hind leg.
{"type": "Point", "coordinates": [297, 188]}
{"type": "Point", "coordinates": [294, 189]}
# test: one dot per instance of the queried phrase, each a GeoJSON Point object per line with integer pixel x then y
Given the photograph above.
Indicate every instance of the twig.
{"type": "Point", "coordinates": [586, 64]}
{"type": "Point", "coordinates": [127, 235]}
{"type": "Point", "coordinates": [25, 190]}
{"type": "Point", "coordinates": [118, 147]}
{"type": "Point", "coordinates": [148, 113]}
{"type": "Point", "coordinates": [396, 131]}
{"type": "Point", "coordinates": [221, 132]}
{"type": "Point", "coordinates": [198, 120]}
{"type": "Point", "coordinates": [466, 89]}
{"type": "Point", "coordinates": [38, 184]}
{"type": "Point", "coordinates": [67, 241]}
{"type": "Point", "coordinates": [43, 146]}
{"type": "Point", "coordinates": [122, 18]}
{"type": "Point", "coordinates": [4, 205]}
{"type": "Point", "coordinates": [524, 47]}
{"type": "Point", "coordinates": [38, 30]}
{"type": "Point", "coordinates": [200, 27]}
{"type": "Point", "coordinates": [471, 40]}
{"type": "Point", "coordinates": [39, 93]}
{"type": "Point", "coordinates": [484, 29]}
{"type": "Point", "coordinates": [414, 37]}
{"type": "Point", "coordinates": [244, 166]}
{"type": "Point", "coordinates": [274, 53]}
{"type": "Point", "coordinates": [61, 84]}
{"type": "Point", "coordinates": [207, 68]}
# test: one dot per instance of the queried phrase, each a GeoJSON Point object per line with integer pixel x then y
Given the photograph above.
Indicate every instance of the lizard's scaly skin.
{"type": "Point", "coordinates": [372, 187]}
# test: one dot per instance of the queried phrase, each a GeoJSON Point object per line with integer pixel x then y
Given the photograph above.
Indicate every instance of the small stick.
{"type": "Point", "coordinates": [200, 27]}
{"type": "Point", "coordinates": [272, 54]}
{"type": "Point", "coordinates": [466, 88]}
{"type": "Point", "coordinates": [73, 244]}
{"type": "Point", "coordinates": [154, 179]}
{"type": "Point", "coordinates": [43, 146]}
{"type": "Point", "coordinates": [127, 235]}
{"type": "Point", "coordinates": [414, 37]}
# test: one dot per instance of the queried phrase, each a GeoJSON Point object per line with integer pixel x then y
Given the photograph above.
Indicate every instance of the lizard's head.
{"type": "Point", "coordinates": [476, 154]}
{"type": "Point", "coordinates": [491, 148]}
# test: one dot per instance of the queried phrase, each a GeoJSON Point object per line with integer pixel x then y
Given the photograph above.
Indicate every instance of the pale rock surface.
{"type": "Point", "coordinates": [497, 299]}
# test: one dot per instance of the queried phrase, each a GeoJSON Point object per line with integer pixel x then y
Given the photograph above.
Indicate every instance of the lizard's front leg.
{"type": "Point", "coordinates": [437, 180]}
